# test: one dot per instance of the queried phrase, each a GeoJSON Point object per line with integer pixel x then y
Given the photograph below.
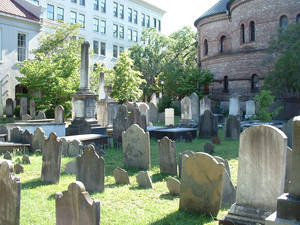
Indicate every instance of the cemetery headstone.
{"type": "Point", "coordinates": [144, 180]}
{"type": "Point", "coordinates": [9, 108]}
{"type": "Point", "coordinates": [195, 107]}
{"type": "Point", "coordinates": [261, 174]}
{"type": "Point", "coordinates": [186, 109]}
{"type": "Point", "coordinates": [26, 117]}
{"type": "Point", "coordinates": [205, 104]}
{"type": "Point", "coordinates": [16, 135]}
{"type": "Point", "coordinates": [71, 168]}
{"type": "Point", "coordinates": [234, 105]}
{"type": "Point", "coordinates": [208, 125]}
{"type": "Point", "coordinates": [167, 156]}
{"type": "Point", "coordinates": [216, 140]}
{"type": "Point", "coordinates": [7, 156]}
{"type": "Point", "coordinates": [75, 148]}
{"type": "Point", "coordinates": [288, 130]}
{"type": "Point", "coordinates": [51, 160]}
{"type": "Point", "coordinates": [26, 159]}
{"type": "Point", "coordinates": [120, 124]}
{"type": "Point", "coordinates": [153, 113]}
{"type": "Point", "coordinates": [41, 116]}
{"type": "Point", "coordinates": [23, 106]}
{"type": "Point", "coordinates": [102, 94]}
{"type": "Point", "coordinates": [136, 148]}
{"type": "Point", "coordinates": [18, 168]}
{"type": "Point", "coordinates": [32, 108]}
{"type": "Point", "coordinates": [102, 112]}
{"type": "Point", "coordinates": [209, 148]}
{"type": "Point", "coordinates": [90, 170]}
{"type": "Point", "coordinates": [135, 117]}
{"type": "Point", "coordinates": [121, 176]}
{"type": "Point", "coordinates": [59, 114]}
{"type": "Point", "coordinates": [112, 111]}
{"type": "Point", "coordinates": [180, 156]}
{"type": "Point", "coordinates": [289, 169]}
{"type": "Point", "coordinates": [144, 110]}
{"type": "Point", "coordinates": [201, 184]}
{"type": "Point", "coordinates": [232, 128]}
{"type": "Point", "coordinates": [250, 109]}
{"type": "Point", "coordinates": [154, 99]}
{"type": "Point", "coordinates": [38, 139]}
{"type": "Point", "coordinates": [27, 138]}
{"type": "Point", "coordinates": [173, 186]}
{"type": "Point", "coordinates": [10, 187]}
{"type": "Point", "coordinates": [76, 207]}
{"type": "Point", "coordinates": [169, 117]}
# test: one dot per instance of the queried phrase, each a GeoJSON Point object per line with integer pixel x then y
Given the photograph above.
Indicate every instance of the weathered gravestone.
{"type": "Point", "coordinates": [38, 139]}
{"type": "Point", "coordinates": [144, 180]}
{"type": "Point", "coordinates": [102, 112]}
{"type": "Point", "coordinates": [51, 160]}
{"type": "Point", "coordinates": [135, 117]}
{"type": "Point", "coordinates": [289, 169]}
{"type": "Point", "coordinates": [75, 206]}
{"type": "Point", "coordinates": [144, 110]}
{"type": "Point", "coordinates": [26, 117]}
{"type": "Point", "coordinates": [41, 116]}
{"type": "Point", "coordinates": [209, 148]}
{"type": "Point", "coordinates": [9, 108]}
{"type": "Point", "coordinates": [250, 109]}
{"type": "Point", "coordinates": [120, 124]}
{"type": "Point", "coordinates": [10, 195]}
{"type": "Point", "coordinates": [90, 170]}
{"type": "Point", "coordinates": [16, 135]}
{"type": "Point", "coordinates": [75, 148]}
{"type": "Point", "coordinates": [26, 159]}
{"type": "Point", "coordinates": [205, 104]}
{"type": "Point", "coordinates": [173, 186]}
{"type": "Point", "coordinates": [32, 108]}
{"type": "Point", "coordinates": [27, 138]}
{"type": "Point", "coordinates": [7, 156]}
{"type": "Point", "coordinates": [169, 117]}
{"type": "Point", "coordinates": [234, 105]}
{"type": "Point", "coordinates": [201, 184]}
{"type": "Point", "coordinates": [186, 109]}
{"type": "Point", "coordinates": [167, 156]}
{"type": "Point", "coordinates": [153, 113]}
{"type": "Point", "coordinates": [136, 148]}
{"type": "Point", "coordinates": [112, 111]}
{"type": "Point", "coordinates": [232, 128]}
{"type": "Point", "coordinates": [180, 156]}
{"type": "Point", "coordinates": [121, 176]}
{"type": "Point", "coordinates": [208, 125]}
{"type": "Point", "coordinates": [288, 130]}
{"type": "Point", "coordinates": [195, 106]}
{"type": "Point", "coordinates": [23, 106]}
{"type": "Point", "coordinates": [261, 174]}
{"type": "Point", "coordinates": [18, 168]}
{"type": "Point", "coordinates": [59, 114]}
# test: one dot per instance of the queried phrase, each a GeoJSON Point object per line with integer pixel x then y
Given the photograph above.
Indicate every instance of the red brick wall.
{"type": "Point", "coordinates": [240, 61]}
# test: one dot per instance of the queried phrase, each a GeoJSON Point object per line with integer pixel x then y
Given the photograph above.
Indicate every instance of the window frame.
{"type": "Point", "coordinates": [135, 16]}
{"type": "Point", "coordinates": [97, 47]}
{"type": "Point", "coordinates": [283, 24]}
{"type": "Point", "coordinates": [115, 30]}
{"type": "Point", "coordinates": [130, 15]}
{"type": "Point", "coordinates": [254, 82]}
{"type": "Point", "coordinates": [225, 84]}
{"type": "Point", "coordinates": [205, 47]}
{"type": "Point", "coordinates": [82, 2]}
{"type": "Point", "coordinates": [103, 6]}
{"type": "Point", "coordinates": [222, 43]}
{"type": "Point", "coordinates": [243, 37]}
{"type": "Point", "coordinates": [143, 19]}
{"type": "Point", "coordinates": [115, 51]}
{"type": "Point", "coordinates": [121, 32]}
{"type": "Point", "coordinates": [22, 50]}
{"type": "Point", "coordinates": [122, 11]}
{"type": "Point", "coordinates": [96, 25]}
{"type": "Point", "coordinates": [115, 9]}
{"type": "Point", "coordinates": [129, 36]}
{"type": "Point", "coordinates": [148, 21]}
{"type": "Point", "coordinates": [96, 5]}
{"type": "Point", "coordinates": [135, 36]}
{"type": "Point", "coordinates": [82, 23]}
{"type": "Point", "coordinates": [298, 18]}
{"type": "Point", "coordinates": [75, 18]}
{"type": "Point", "coordinates": [52, 13]}
{"type": "Point", "coordinates": [58, 15]}
{"type": "Point", "coordinates": [103, 27]}
{"type": "Point", "coordinates": [252, 31]}
{"type": "Point", "coordinates": [101, 49]}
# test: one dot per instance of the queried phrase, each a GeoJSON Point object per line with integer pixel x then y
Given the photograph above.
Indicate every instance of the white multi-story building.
{"type": "Point", "coordinates": [111, 26]}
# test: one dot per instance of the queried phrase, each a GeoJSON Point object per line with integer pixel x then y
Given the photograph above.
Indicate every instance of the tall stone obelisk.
{"type": "Point", "coordinates": [84, 101]}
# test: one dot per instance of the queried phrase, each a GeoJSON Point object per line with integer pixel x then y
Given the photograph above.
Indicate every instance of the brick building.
{"type": "Point", "coordinates": [233, 38]}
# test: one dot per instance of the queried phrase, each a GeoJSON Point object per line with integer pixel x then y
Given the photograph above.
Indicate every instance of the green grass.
{"type": "Point", "coordinates": [120, 205]}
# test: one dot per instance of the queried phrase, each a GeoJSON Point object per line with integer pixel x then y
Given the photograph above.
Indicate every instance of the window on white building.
{"type": "Point", "coordinates": [81, 20]}
{"type": "Point", "coordinates": [154, 22]}
{"type": "Point", "coordinates": [74, 1]}
{"type": "Point", "coordinates": [73, 17]}
{"type": "Point", "coordinates": [60, 13]}
{"type": "Point", "coordinates": [143, 19]}
{"type": "Point", "coordinates": [103, 27]}
{"type": "Point", "coordinates": [103, 6]}
{"type": "Point", "coordinates": [115, 30]}
{"type": "Point", "coordinates": [121, 50]}
{"type": "Point", "coordinates": [115, 9]}
{"type": "Point", "coordinates": [159, 25]}
{"type": "Point", "coordinates": [96, 4]}
{"type": "Point", "coordinates": [135, 17]}
{"type": "Point", "coordinates": [129, 34]}
{"type": "Point", "coordinates": [50, 12]}
{"type": "Point", "coordinates": [96, 47]}
{"type": "Point", "coordinates": [121, 11]}
{"type": "Point", "coordinates": [135, 36]}
{"type": "Point", "coordinates": [115, 51]}
{"type": "Point", "coordinates": [96, 25]}
{"type": "Point", "coordinates": [103, 49]}
{"type": "Point", "coordinates": [129, 15]}
{"type": "Point", "coordinates": [148, 21]}
{"type": "Point", "coordinates": [82, 2]}
{"type": "Point", "coordinates": [22, 49]}
{"type": "Point", "coordinates": [121, 32]}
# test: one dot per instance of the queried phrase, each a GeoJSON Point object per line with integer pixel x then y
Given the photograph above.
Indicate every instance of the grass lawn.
{"type": "Point", "coordinates": [121, 205]}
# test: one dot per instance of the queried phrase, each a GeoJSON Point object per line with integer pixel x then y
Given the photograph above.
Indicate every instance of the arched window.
{"type": "Point", "coordinates": [222, 43]}
{"type": "Point", "coordinates": [298, 18]}
{"type": "Point", "coordinates": [205, 47]}
{"type": "Point", "coordinates": [242, 33]}
{"type": "Point", "coordinates": [225, 83]}
{"type": "Point", "coordinates": [283, 22]}
{"type": "Point", "coordinates": [254, 82]}
{"type": "Point", "coordinates": [252, 31]}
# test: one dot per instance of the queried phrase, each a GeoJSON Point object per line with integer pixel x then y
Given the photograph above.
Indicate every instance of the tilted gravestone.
{"type": "Point", "coordinates": [120, 124]}
{"type": "Point", "coordinates": [32, 108]}
{"type": "Point", "coordinates": [205, 104]}
{"type": "Point", "coordinates": [173, 186]}
{"type": "Point", "coordinates": [23, 106]}
{"type": "Point", "coordinates": [167, 156]}
{"type": "Point", "coordinates": [153, 113]}
{"type": "Point", "coordinates": [90, 170]}
{"type": "Point", "coordinates": [201, 184]}
{"type": "Point", "coordinates": [38, 139]}
{"type": "Point", "coordinates": [59, 114]}
{"type": "Point", "coordinates": [76, 207]}
{"type": "Point", "coordinates": [232, 128]}
{"type": "Point", "coordinates": [51, 160]}
{"type": "Point", "coordinates": [186, 109]}
{"type": "Point", "coordinates": [9, 108]}
{"type": "Point", "coordinates": [121, 176]}
{"type": "Point", "coordinates": [10, 195]}
{"type": "Point", "coordinates": [261, 174]}
{"type": "Point", "coordinates": [136, 148]}
{"type": "Point", "coordinates": [195, 107]}
{"type": "Point", "coordinates": [144, 180]}
{"type": "Point", "coordinates": [208, 125]}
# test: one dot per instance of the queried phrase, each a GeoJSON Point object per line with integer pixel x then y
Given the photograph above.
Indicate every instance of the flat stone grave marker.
{"type": "Point", "coordinates": [167, 156]}
{"type": "Point", "coordinates": [90, 170]}
{"type": "Point", "coordinates": [76, 207]}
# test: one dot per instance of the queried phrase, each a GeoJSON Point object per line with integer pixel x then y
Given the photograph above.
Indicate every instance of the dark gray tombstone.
{"type": "Point", "coordinates": [76, 207]}
{"type": "Point", "coordinates": [16, 135]}
{"type": "Point", "coordinates": [51, 160]}
{"type": "Point", "coordinates": [23, 106]}
{"type": "Point", "coordinates": [120, 124]}
{"type": "Point", "coordinates": [59, 114]}
{"type": "Point", "coordinates": [153, 113]}
{"type": "Point", "coordinates": [32, 108]}
{"type": "Point", "coordinates": [38, 139]}
{"type": "Point", "coordinates": [232, 128]}
{"type": "Point", "coordinates": [9, 108]}
{"type": "Point", "coordinates": [90, 170]}
{"type": "Point", "coordinates": [209, 148]}
{"type": "Point", "coordinates": [208, 125]}
{"type": "Point", "coordinates": [288, 130]}
{"type": "Point", "coordinates": [135, 117]}
{"type": "Point", "coordinates": [167, 156]}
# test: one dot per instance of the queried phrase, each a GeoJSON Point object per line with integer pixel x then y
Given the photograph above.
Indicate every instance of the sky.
{"type": "Point", "coordinates": [181, 13]}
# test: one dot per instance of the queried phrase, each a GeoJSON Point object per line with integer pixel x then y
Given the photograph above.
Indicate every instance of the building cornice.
{"type": "Point", "coordinates": [19, 18]}
{"type": "Point", "coordinates": [149, 5]}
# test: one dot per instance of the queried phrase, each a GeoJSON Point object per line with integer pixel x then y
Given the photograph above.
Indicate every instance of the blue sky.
{"type": "Point", "coordinates": [181, 13]}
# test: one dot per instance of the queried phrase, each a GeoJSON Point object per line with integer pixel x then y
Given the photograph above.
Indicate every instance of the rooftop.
{"type": "Point", "coordinates": [13, 8]}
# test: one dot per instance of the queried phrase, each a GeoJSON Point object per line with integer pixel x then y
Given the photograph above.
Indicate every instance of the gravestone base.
{"type": "Point", "coordinates": [274, 220]}
{"type": "Point", "coordinates": [243, 215]}
{"type": "Point", "coordinates": [85, 126]}
{"type": "Point", "coordinates": [288, 207]}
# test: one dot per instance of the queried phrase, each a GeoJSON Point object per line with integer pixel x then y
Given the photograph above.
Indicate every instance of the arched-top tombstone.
{"type": "Point", "coordinates": [232, 128]}
{"type": "Point", "coordinates": [208, 125]}
{"type": "Point", "coordinates": [144, 109]}
{"type": "Point", "coordinates": [167, 156]}
{"type": "Point", "coordinates": [75, 206]}
{"type": "Point", "coordinates": [186, 109]}
{"type": "Point", "coordinates": [205, 104]}
{"type": "Point", "coordinates": [153, 113]}
{"type": "Point", "coordinates": [59, 114]}
{"type": "Point", "coordinates": [38, 139]}
{"type": "Point", "coordinates": [9, 108]}
{"type": "Point", "coordinates": [195, 106]}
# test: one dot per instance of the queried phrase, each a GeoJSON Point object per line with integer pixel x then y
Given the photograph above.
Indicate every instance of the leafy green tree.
{"type": "Point", "coordinates": [126, 81]}
{"type": "Point", "coordinates": [285, 51]}
{"type": "Point", "coordinates": [54, 70]}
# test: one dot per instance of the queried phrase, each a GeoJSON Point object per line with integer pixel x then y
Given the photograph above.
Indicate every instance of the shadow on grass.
{"type": "Point", "coordinates": [168, 196]}
{"type": "Point", "coordinates": [115, 185]}
{"type": "Point", "coordinates": [159, 177]}
{"type": "Point", "coordinates": [51, 197]}
{"type": "Point", "coordinates": [34, 183]}
{"type": "Point", "coordinates": [136, 188]}
{"type": "Point", "coordinates": [183, 217]}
